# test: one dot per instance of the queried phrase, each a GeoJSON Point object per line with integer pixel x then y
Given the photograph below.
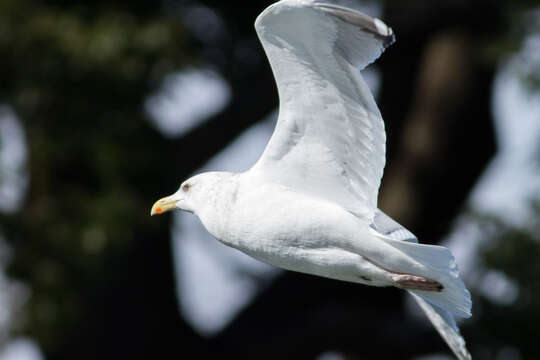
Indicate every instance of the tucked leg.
{"type": "Point", "coordinates": [413, 282]}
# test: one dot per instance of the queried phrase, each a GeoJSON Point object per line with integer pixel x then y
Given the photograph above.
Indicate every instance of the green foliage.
{"type": "Point", "coordinates": [77, 77]}
{"type": "Point", "coordinates": [514, 252]}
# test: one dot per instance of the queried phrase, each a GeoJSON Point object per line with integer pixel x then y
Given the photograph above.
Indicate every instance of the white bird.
{"type": "Point", "coordinates": [310, 202]}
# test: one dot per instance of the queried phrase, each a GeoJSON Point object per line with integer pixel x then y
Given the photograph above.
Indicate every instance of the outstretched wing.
{"type": "Point", "coordinates": [387, 226]}
{"type": "Point", "coordinates": [444, 322]}
{"type": "Point", "coordinates": [329, 140]}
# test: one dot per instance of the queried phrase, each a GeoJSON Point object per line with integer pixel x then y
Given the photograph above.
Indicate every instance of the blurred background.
{"type": "Point", "coordinates": [106, 106]}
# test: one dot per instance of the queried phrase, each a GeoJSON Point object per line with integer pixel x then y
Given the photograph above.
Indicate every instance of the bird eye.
{"type": "Point", "coordinates": [186, 187]}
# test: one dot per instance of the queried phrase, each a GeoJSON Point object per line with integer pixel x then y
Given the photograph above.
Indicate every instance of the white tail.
{"type": "Point", "coordinates": [439, 265]}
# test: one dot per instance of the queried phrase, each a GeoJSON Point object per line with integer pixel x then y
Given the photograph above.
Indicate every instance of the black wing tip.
{"type": "Point", "coordinates": [389, 39]}
{"type": "Point", "coordinates": [384, 32]}
{"type": "Point", "coordinates": [372, 25]}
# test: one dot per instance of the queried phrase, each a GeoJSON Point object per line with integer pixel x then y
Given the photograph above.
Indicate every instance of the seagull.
{"type": "Point", "coordinates": [309, 204]}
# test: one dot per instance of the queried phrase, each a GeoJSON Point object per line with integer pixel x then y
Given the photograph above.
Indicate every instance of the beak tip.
{"type": "Point", "coordinates": [163, 205]}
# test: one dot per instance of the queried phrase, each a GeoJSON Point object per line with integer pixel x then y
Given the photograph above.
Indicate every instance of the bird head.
{"type": "Point", "coordinates": [192, 195]}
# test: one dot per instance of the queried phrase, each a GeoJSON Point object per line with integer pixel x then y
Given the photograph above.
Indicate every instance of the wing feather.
{"type": "Point", "coordinates": [329, 140]}
{"type": "Point", "coordinates": [445, 324]}
{"type": "Point", "coordinates": [387, 226]}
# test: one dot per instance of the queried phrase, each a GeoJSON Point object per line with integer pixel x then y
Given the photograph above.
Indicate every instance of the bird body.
{"type": "Point", "coordinates": [319, 244]}
{"type": "Point", "coordinates": [284, 227]}
{"type": "Point", "coordinates": [310, 202]}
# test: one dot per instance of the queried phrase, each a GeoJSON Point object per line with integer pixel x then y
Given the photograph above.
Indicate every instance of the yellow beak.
{"type": "Point", "coordinates": [163, 205]}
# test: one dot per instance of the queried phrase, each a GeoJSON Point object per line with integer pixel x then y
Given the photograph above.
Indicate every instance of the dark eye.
{"type": "Point", "coordinates": [186, 187]}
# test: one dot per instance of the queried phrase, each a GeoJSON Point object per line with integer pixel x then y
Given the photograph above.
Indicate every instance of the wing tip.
{"type": "Point", "coordinates": [385, 33]}
{"type": "Point", "coordinates": [445, 324]}
{"type": "Point", "coordinates": [370, 24]}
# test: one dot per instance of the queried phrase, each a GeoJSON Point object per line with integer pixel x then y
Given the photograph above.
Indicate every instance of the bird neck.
{"type": "Point", "coordinates": [215, 211]}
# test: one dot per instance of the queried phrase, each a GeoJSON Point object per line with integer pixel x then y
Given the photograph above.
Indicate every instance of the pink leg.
{"type": "Point", "coordinates": [413, 282]}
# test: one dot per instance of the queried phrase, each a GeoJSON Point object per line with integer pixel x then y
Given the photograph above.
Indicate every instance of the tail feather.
{"type": "Point", "coordinates": [445, 324]}
{"type": "Point", "coordinates": [438, 263]}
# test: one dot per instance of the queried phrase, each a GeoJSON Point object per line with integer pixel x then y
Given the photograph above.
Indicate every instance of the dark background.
{"type": "Point", "coordinates": [77, 73]}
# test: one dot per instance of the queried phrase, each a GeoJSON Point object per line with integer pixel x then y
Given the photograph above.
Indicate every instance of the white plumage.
{"type": "Point", "coordinates": [310, 203]}
{"type": "Point", "coordinates": [329, 140]}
